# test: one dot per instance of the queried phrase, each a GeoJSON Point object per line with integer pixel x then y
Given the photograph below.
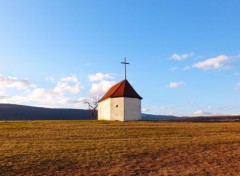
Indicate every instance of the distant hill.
{"type": "Point", "coordinates": [20, 112]}
{"type": "Point", "coordinates": [158, 117]}
{"type": "Point", "coordinates": [209, 119]}
{"type": "Point", "coordinates": [191, 119]}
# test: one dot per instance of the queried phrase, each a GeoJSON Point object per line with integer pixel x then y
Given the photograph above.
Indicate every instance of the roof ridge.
{"type": "Point", "coordinates": [121, 89]}
{"type": "Point", "coordinates": [118, 87]}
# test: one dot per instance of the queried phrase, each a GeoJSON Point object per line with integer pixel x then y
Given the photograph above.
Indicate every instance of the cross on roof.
{"type": "Point", "coordinates": [125, 67]}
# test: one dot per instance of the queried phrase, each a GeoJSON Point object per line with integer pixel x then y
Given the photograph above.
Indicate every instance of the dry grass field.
{"type": "Point", "coordinates": [117, 148]}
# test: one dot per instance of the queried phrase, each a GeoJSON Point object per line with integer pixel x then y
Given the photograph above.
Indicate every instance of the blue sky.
{"type": "Point", "coordinates": [184, 55]}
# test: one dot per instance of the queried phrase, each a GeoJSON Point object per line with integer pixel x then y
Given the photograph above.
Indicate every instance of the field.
{"type": "Point", "coordinates": [119, 148]}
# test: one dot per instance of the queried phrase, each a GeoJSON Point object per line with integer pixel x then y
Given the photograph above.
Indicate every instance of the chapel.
{"type": "Point", "coordinates": [120, 103]}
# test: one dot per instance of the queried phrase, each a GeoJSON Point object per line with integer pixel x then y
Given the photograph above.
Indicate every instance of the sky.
{"type": "Point", "coordinates": [184, 55]}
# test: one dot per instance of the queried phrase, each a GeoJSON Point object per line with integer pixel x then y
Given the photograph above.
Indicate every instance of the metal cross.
{"type": "Point", "coordinates": [125, 68]}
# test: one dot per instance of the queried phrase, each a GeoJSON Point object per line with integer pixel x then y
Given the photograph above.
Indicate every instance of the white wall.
{"type": "Point", "coordinates": [121, 109]}
{"type": "Point", "coordinates": [104, 110]}
{"type": "Point", "coordinates": [117, 109]}
{"type": "Point", "coordinates": [132, 109]}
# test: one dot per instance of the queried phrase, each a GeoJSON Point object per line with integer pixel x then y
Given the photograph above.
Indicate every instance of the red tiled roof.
{"type": "Point", "coordinates": [121, 89]}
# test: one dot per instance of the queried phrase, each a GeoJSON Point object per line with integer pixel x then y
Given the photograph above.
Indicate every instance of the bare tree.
{"type": "Point", "coordinates": [92, 105]}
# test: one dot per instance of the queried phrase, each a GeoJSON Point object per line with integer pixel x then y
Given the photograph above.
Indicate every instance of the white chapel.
{"type": "Point", "coordinates": [120, 103]}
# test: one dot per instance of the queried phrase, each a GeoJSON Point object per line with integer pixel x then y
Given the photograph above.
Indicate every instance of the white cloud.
{"type": "Point", "coordinates": [169, 110]}
{"type": "Point", "coordinates": [144, 110]}
{"type": "Point", "coordinates": [173, 68]}
{"type": "Point", "coordinates": [67, 85]}
{"type": "Point", "coordinates": [100, 77]}
{"type": "Point", "coordinates": [14, 82]}
{"type": "Point", "coordinates": [207, 113]}
{"type": "Point", "coordinates": [212, 110]}
{"type": "Point", "coordinates": [238, 86]}
{"type": "Point", "coordinates": [58, 96]}
{"type": "Point", "coordinates": [100, 83]}
{"type": "Point", "coordinates": [181, 57]}
{"type": "Point", "coordinates": [186, 68]}
{"type": "Point", "coordinates": [3, 96]}
{"type": "Point", "coordinates": [175, 84]}
{"type": "Point", "coordinates": [72, 78]}
{"type": "Point", "coordinates": [50, 78]}
{"type": "Point", "coordinates": [13, 99]}
{"type": "Point", "coordinates": [202, 113]}
{"type": "Point", "coordinates": [69, 101]}
{"type": "Point", "coordinates": [212, 63]}
{"type": "Point", "coordinates": [42, 94]}
{"type": "Point", "coordinates": [64, 88]}
{"type": "Point", "coordinates": [98, 89]}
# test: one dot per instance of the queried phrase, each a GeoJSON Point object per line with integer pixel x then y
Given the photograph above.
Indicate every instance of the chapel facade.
{"type": "Point", "coordinates": [120, 103]}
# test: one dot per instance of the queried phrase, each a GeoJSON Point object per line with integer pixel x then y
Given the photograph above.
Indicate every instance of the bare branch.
{"type": "Point", "coordinates": [91, 102]}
